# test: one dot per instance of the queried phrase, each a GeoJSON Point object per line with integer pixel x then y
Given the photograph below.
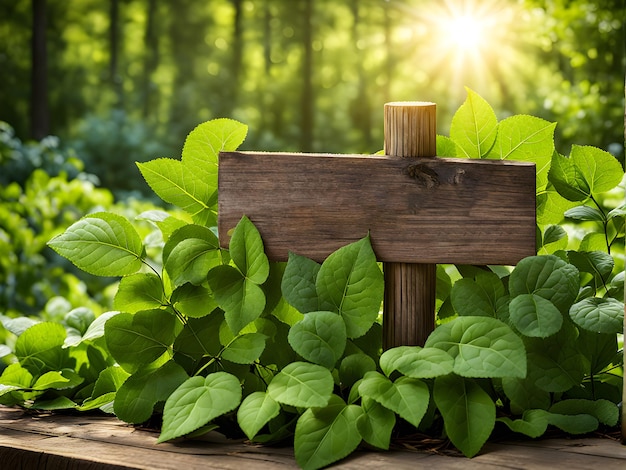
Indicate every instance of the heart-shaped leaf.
{"type": "Point", "coordinates": [255, 411]}
{"type": "Point", "coordinates": [302, 384]}
{"type": "Point", "coordinates": [416, 362]}
{"type": "Point", "coordinates": [319, 338]}
{"type": "Point", "coordinates": [198, 401]}
{"type": "Point", "coordinates": [600, 315]}
{"type": "Point", "coordinates": [533, 315]}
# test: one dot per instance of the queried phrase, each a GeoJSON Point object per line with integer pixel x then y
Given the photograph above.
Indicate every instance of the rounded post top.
{"type": "Point", "coordinates": [410, 129]}
{"type": "Point", "coordinates": [410, 103]}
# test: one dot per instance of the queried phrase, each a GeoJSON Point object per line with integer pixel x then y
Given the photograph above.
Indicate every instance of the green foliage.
{"type": "Point", "coordinates": [213, 339]}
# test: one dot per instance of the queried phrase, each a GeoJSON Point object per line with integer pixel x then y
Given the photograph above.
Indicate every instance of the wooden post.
{"type": "Point", "coordinates": [410, 288]}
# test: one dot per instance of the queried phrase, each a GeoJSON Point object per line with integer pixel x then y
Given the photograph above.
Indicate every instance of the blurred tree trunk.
{"type": "Point", "coordinates": [360, 109]}
{"type": "Point", "coordinates": [306, 102]}
{"type": "Point", "coordinates": [40, 118]}
{"type": "Point", "coordinates": [237, 56]}
{"type": "Point", "coordinates": [151, 60]}
{"type": "Point", "coordinates": [114, 47]}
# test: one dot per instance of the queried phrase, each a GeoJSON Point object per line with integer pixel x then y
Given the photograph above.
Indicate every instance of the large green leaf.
{"type": "Point", "coordinates": [416, 362]}
{"type": "Point", "coordinates": [547, 276]}
{"type": "Point", "coordinates": [298, 284]}
{"type": "Point", "coordinates": [135, 340]}
{"type": "Point", "coordinates": [376, 423]}
{"type": "Point", "coordinates": [245, 349]}
{"type": "Point", "coordinates": [588, 172]}
{"type": "Point", "coordinates": [178, 184]}
{"type": "Point", "coordinates": [351, 283]}
{"type": "Point", "coordinates": [40, 348]}
{"type": "Point", "coordinates": [103, 244]}
{"type": "Point", "coordinates": [319, 338]}
{"type": "Point", "coordinates": [203, 144]}
{"type": "Point", "coordinates": [255, 411]}
{"type": "Point", "coordinates": [247, 252]}
{"type": "Point", "coordinates": [605, 411]}
{"type": "Point", "coordinates": [136, 398]}
{"type": "Point", "coordinates": [599, 315]}
{"type": "Point", "coordinates": [325, 435]}
{"type": "Point", "coordinates": [141, 291]}
{"type": "Point", "coordinates": [474, 127]}
{"type": "Point", "coordinates": [406, 396]}
{"type": "Point", "coordinates": [197, 401]}
{"type": "Point", "coordinates": [469, 413]}
{"type": "Point", "coordinates": [533, 423]}
{"type": "Point", "coordinates": [242, 300]}
{"type": "Point", "coordinates": [481, 347]}
{"type": "Point", "coordinates": [526, 138]}
{"type": "Point", "coordinates": [302, 384]}
{"type": "Point", "coordinates": [353, 367]}
{"type": "Point", "coordinates": [533, 315]}
{"type": "Point", "coordinates": [598, 263]}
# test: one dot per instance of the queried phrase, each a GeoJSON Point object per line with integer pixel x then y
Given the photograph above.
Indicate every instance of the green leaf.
{"type": "Point", "coordinates": [245, 349]}
{"type": "Point", "coordinates": [319, 338]}
{"type": "Point", "coordinates": [524, 395]}
{"type": "Point", "coordinates": [351, 283]}
{"type": "Point", "coordinates": [468, 412]}
{"type": "Point", "coordinates": [474, 127]}
{"type": "Point", "coordinates": [526, 138]}
{"type": "Point", "coordinates": [416, 362]}
{"type": "Point", "coordinates": [325, 435]}
{"type": "Point", "coordinates": [598, 263]}
{"type": "Point", "coordinates": [136, 398]}
{"type": "Point", "coordinates": [135, 340]}
{"type": "Point", "coordinates": [547, 276]}
{"type": "Point", "coordinates": [376, 424]}
{"type": "Point", "coordinates": [247, 252]}
{"type": "Point", "coordinates": [406, 396]}
{"type": "Point", "coordinates": [533, 423]}
{"type": "Point", "coordinates": [446, 147]}
{"type": "Point", "coordinates": [600, 349]}
{"type": "Point", "coordinates": [15, 375]}
{"type": "Point", "coordinates": [353, 367]}
{"type": "Point", "coordinates": [198, 401]}
{"type": "Point", "coordinates": [533, 315]}
{"type": "Point", "coordinates": [40, 348]}
{"type": "Point", "coordinates": [553, 234]}
{"type": "Point", "coordinates": [242, 300]}
{"type": "Point", "coordinates": [599, 315]}
{"type": "Point", "coordinates": [198, 339]}
{"type": "Point", "coordinates": [554, 363]}
{"type": "Point", "coordinates": [190, 253]}
{"type": "Point", "coordinates": [140, 291]}
{"type": "Point", "coordinates": [96, 328]}
{"type": "Point", "coordinates": [103, 244]}
{"type": "Point", "coordinates": [203, 144]}
{"type": "Point", "coordinates": [585, 213]}
{"type": "Point", "coordinates": [302, 384]}
{"type": "Point", "coordinates": [298, 284]}
{"type": "Point", "coordinates": [193, 301]}
{"type": "Point", "coordinates": [481, 347]}
{"type": "Point", "coordinates": [477, 297]}
{"type": "Point", "coordinates": [604, 411]}
{"type": "Point", "coordinates": [588, 172]}
{"type": "Point", "coordinates": [51, 379]}
{"type": "Point", "coordinates": [573, 424]}
{"type": "Point", "coordinates": [180, 185]}
{"type": "Point", "coordinates": [255, 411]}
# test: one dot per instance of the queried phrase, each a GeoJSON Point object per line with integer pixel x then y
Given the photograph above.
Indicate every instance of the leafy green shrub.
{"type": "Point", "coordinates": [281, 351]}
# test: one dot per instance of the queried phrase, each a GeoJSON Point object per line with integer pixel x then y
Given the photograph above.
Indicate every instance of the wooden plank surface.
{"type": "Point", "coordinates": [55, 442]}
{"type": "Point", "coordinates": [431, 210]}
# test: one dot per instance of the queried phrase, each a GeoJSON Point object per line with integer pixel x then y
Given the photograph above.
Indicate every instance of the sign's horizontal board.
{"type": "Point", "coordinates": [427, 210]}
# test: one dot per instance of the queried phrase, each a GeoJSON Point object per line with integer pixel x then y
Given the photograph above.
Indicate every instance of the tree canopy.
{"type": "Point", "coordinates": [128, 78]}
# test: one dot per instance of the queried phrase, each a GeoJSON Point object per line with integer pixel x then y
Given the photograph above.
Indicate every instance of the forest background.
{"type": "Point", "coordinates": [126, 80]}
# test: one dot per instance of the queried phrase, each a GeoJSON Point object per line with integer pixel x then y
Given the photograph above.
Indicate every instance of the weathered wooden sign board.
{"type": "Point", "coordinates": [433, 210]}
{"type": "Point", "coordinates": [419, 210]}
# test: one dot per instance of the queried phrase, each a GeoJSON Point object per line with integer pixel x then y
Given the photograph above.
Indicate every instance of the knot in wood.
{"type": "Point", "coordinates": [423, 175]}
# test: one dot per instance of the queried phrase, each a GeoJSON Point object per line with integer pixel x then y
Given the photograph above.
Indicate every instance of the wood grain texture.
{"type": "Point", "coordinates": [431, 210]}
{"type": "Point", "coordinates": [61, 442]}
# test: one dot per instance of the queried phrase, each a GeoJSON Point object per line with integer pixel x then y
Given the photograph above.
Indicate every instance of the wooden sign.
{"type": "Point", "coordinates": [431, 210]}
{"type": "Point", "coordinates": [418, 210]}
